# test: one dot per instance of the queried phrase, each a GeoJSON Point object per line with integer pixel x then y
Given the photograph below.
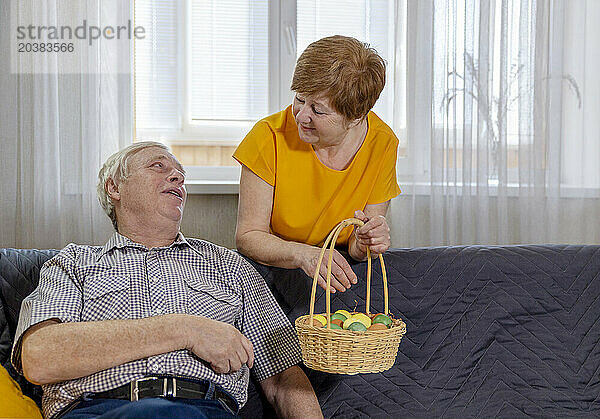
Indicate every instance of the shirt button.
{"type": "Point", "coordinates": [155, 279]}
{"type": "Point", "coordinates": [157, 311]}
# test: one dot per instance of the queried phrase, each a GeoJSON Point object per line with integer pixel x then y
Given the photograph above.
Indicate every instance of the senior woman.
{"type": "Point", "coordinates": [325, 158]}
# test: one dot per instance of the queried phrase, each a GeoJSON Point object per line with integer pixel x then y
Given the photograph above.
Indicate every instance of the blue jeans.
{"type": "Point", "coordinates": [150, 408]}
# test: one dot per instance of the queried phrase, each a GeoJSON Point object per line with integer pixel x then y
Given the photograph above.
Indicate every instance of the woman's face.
{"type": "Point", "coordinates": [318, 123]}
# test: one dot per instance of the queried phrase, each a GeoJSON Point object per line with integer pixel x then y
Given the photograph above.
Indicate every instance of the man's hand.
{"type": "Point", "coordinates": [220, 344]}
{"type": "Point", "coordinates": [375, 233]}
{"type": "Point", "coordinates": [342, 275]}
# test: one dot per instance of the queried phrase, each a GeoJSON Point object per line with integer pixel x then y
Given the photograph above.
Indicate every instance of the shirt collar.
{"type": "Point", "coordinates": [118, 241]}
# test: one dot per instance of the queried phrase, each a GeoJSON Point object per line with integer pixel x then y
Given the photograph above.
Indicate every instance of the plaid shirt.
{"type": "Point", "coordinates": [126, 280]}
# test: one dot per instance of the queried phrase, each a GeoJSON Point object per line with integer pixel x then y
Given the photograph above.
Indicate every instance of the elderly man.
{"type": "Point", "coordinates": [153, 324]}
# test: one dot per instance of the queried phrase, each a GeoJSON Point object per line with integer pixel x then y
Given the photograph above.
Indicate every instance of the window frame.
{"type": "Point", "coordinates": [281, 57]}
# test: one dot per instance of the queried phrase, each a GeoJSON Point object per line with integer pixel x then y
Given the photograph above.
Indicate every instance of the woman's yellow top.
{"type": "Point", "coordinates": [310, 198]}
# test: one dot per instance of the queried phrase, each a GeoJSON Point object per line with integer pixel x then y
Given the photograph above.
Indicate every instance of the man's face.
{"type": "Point", "coordinates": [154, 189]}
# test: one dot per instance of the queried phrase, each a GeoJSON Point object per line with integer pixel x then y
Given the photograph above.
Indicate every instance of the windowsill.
{"type": "Point", "coordinates": [225, 180]}
{"type": "Point", "coordinates": [232, 187]}
{"type": "Point", "coordinates": [512, 190]}
{"type": "Point", "coordinates": [212, 187]}
{"type": "Point", "coordinates": [213, 180]}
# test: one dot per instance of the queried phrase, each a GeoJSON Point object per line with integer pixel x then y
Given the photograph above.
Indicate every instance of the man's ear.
{"type": "Point", "coordinates": [112, 189]}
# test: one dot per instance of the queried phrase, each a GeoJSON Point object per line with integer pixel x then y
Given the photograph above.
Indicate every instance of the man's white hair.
{"type": "Point", "coordinates": [116, 168]}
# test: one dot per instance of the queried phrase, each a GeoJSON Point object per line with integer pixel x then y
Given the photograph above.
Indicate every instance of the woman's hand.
{"type": "Point", "coordinates": [375, 233]}
{"type": "Point", "coordinates": [342, 275]}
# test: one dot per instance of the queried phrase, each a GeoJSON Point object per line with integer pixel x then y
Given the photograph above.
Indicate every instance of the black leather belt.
{"type": "Point", "coordinates": [167, 387]}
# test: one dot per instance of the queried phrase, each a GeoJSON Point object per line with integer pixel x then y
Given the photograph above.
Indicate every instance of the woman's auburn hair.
{"type": "Point", "coordinates": [346, 71]}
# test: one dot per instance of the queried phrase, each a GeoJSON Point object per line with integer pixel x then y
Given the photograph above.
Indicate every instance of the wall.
{"type": "Point", "coordinates": [211, 217]}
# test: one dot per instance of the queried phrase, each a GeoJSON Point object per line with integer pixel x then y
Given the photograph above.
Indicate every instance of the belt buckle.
{"type": "Point", "coordinates": [166, 391]}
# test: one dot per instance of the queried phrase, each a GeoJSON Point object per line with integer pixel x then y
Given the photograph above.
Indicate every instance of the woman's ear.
{"type": "Point", "coordinates": [112, 189]}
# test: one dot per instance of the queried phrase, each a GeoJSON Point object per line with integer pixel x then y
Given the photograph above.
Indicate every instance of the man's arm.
{"type": "Point", "coordinates": [54, 352]}
{"type": "Point", "coordinates": [291, 394]}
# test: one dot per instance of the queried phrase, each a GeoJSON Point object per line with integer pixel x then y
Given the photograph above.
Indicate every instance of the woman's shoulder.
{"type": "Point", "coordinates": [269, 136]}
{"type": "Point", "coordinates": [380, 130]}
{"type": "Point", "coordinates": [272, 129]}
{"type": "Point", "coordinates": [381, 134]}
{"type": "Point", "coordinates": [279, 122]}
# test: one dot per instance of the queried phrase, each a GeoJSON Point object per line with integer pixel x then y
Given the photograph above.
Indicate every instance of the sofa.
{"type": "Point", "coordinates": [509, 331]}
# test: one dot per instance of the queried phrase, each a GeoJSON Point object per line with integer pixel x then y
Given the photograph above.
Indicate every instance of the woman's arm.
{"type": "Point", "coordinates": [375, 233]}
{"type": "Point", "coordinates": [254, 239]}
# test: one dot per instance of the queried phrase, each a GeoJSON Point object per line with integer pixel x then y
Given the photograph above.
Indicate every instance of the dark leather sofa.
{"type": "Point", "coordinates": [508, 331]}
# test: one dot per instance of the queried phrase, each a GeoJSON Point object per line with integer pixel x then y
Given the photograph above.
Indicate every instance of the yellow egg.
{"type": "Point", "coordinates": [344, 313]}
{"type": "Point", "coordinates": [321, 319]}
{"type": "Point", "coordinates": [348, 322]}
{"type": "Point", "coordinates": [363, 318]}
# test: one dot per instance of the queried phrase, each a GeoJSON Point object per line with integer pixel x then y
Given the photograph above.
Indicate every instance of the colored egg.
{"type": "Point", "coordinates": [321, 319]}
{"type": "Point", "coordinates": [336, 326]}
{"type": "Point", "coordinates": [338, 322]}
{"type": "Point", "coordinates": [344, 313]}
{"type": "Point", "coordinates": [357, 327]}
{"type": "Point", "coordinates": [348, 322]}
{"type": "Point", "coordinates": [338, 316]}
{"type": "Point", "coordinates": [363, 318]}
{"type": "Point", "coordinates": [378, 326]}
{"type": "Point", "coordinates": [382, 318]}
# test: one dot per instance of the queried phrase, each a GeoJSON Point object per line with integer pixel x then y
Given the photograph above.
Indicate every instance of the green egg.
{"type": "Point", "coordinates": [382, 318]}
{"type": "Point", "coordinates": [357, 327]}
{"type": "Point", "coordinates": [336, 326]}
{"type": "Point", "coordinates": [338, 316]}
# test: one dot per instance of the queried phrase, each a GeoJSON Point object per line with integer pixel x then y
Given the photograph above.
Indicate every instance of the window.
{"type": "Point", "coordinates": [228, 61]}
{"type": "Point", "coordinates": [201, 75]}
{"type": "Point", "coordinates": [499, 97]}
{"type": "Point", "coordinates": [209, 69]}
{"type": "Point", "coordinates": [370, 21]}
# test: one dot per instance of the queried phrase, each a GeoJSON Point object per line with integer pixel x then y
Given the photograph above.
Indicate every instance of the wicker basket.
{"type": "Point", "coordinates": [345, 351]}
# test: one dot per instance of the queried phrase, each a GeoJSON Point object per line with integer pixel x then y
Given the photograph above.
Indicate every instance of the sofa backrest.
{"type": "Point", "coordinates": [19, 275]}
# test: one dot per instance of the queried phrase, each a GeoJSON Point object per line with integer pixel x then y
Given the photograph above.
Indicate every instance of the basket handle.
{"type": "Point", "coordinates": [330, 241]}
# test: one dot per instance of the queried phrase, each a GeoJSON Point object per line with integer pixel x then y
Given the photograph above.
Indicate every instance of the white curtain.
{"type": "Point", "coordinates": [58, 128]}
{"type": "Point", "coordinates": [503, 127]}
